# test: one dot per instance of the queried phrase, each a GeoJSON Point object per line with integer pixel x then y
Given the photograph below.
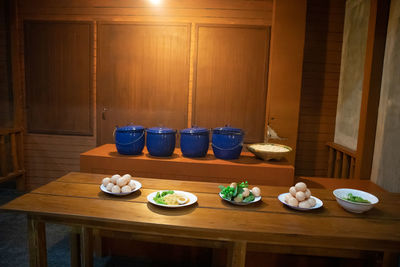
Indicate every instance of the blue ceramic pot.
{"type": "Point", "coordinates": [129, 140]}
{"type": "Point", "coordinates": [227, 142]}
{"type": "Point", "coordinates": [160, 142]}
{"type": "Point", "coordinates": [194, 142]}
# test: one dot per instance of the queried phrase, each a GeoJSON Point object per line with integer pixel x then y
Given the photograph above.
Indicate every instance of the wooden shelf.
{"type": "Point", "coordinates": [105, 159]}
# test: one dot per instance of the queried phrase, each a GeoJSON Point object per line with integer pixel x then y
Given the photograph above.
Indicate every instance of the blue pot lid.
{"type": "Point", "coordinates": [130, 128]}
{"type": "Point", "coordinates": [228, 130]}
{"type": "Point", "coordinates": [160, 130]}
{"type": "Point", "coordinates": [194, 130]}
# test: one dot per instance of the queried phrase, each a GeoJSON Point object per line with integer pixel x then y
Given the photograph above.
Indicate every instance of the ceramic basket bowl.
{"type": "Point", "coordinates": [261, 151]}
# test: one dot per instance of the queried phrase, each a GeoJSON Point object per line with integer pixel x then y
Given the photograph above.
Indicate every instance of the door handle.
{"type": "Point", "coordinates": [103, 113]}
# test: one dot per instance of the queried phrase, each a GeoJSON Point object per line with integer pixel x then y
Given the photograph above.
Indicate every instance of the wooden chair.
{"type": "Point", "coordinates": [11, 155]}
{"type": "Point", "coordinates": [341, 162]}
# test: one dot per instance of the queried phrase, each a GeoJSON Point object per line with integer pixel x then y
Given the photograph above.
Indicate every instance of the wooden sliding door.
{"type": "Point", "coordinates": [231, 78]}
{"type": "Point", "coordinates": [142, 76]}
{"type": "Point", "coordinates": [58, 65]}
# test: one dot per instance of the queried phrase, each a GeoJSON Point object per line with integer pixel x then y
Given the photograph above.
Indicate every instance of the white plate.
{"type": "Point", "coordinates": [318, 202]}
{"type": "Point", "coordinates": [192, 199]}
{"type": "Point", "coordinates": [256, 199]}
{"type": "Point", "coordinates": [138, 186]}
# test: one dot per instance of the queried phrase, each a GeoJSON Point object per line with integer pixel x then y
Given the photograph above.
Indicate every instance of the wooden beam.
{"type": "Point", "coordinates": [375, 51]}
{"type": "Point", "coordinates": [15, 57]}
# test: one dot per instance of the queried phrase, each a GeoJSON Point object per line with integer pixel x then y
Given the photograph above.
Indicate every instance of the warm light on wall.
{"type": "Point", "coordinates": [155, 2]}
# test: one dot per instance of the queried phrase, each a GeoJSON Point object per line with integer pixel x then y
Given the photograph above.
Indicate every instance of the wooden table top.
{"type": "Point", "coordinates": [76, 198]}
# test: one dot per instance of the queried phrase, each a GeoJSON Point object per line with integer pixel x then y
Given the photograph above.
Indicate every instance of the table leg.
{"type": "Point", "coordinates": [74, 245]}
{"type": "Point", "coordinates": [37, 242]}
{"type": "Point", "coordinates": [86, 247]}
{"type": "Point", "coordinates": [391, 259]}
{"type": "Point", "coordinates": [237, 254]}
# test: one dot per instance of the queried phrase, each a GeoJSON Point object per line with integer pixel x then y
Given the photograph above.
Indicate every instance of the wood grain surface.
{"type": "Point", "coordinates": [142, 76]}
{"type": "Point", "coordinates": [105, 159]}
{"type": "Point", "coordinates": [76, 197]}
{"type": "Point", "coordinates": [58, 95]}
{"type": "Point", "coordinates": [231, 69]}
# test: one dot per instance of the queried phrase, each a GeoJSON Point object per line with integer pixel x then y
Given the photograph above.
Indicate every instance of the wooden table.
{"type": "Point", "coordinates": [105, 159]}
{"type": "Point", "coordinates": [76, 199]}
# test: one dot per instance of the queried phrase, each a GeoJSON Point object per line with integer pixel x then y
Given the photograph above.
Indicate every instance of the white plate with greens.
{"type": "Point", "coordinates": [158, 198]}
{"type": "Point", "coordinates": [256, 199]}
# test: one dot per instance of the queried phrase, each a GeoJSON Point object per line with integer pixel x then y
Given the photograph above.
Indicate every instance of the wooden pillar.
{"type": "Point", "coordinates": [286, 60]}
{"type": "Point", "coordinates": [3, 163]}
{"type": "Point", "coordinates": [375, 51]}
{"type": "Point", "coordinates": [37, 242]}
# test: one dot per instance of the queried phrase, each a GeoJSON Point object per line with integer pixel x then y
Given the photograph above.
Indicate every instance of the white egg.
{"type": "Point", "coordinates": [256, 191]}
{"type": "Point", "coordinates": [300, 186]}
{"type": "Point", "coordinates": [293, 202]}
{"type": "Point", "coordinates": [106, 181]}
{"type": "Point", "coordinates": [122, 181]}
{"type": "Point", "coordinates": [116, 189]}
{"type": "Point", "coordinates": [312, 202]}
{"type": "Point", "coordinates": [246, 192]}
{"type": "Point", "coordinates": [307, 193]}
{"type": "Point", "coordinates": [300, 196]}
{"type": "Point", "coordinates": [109, 186]}
{"type": "Point", "coordinates": [126, 189]}
{"type": "Point", "coordinates": [304, 204]}
{"type": "Point", "coordinates": [182, 200]}
{"type": "Point", "coordinates": [287, 197]}
{"type": "Point", "coordinates": [114, 178]}
{"type": "Point", "coordinates": [132, 184]}
{"type": "Point", "coordinates": [292, 191]}
{"type": "Point", "coordinates": [127, 176]}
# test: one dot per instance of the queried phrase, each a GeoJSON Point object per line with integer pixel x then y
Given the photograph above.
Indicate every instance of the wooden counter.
{"type": "Point", "coordinates": [105, 159]}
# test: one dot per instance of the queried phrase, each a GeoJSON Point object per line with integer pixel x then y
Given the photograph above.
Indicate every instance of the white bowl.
{"type": "Point", "coordinates": [355, 207]}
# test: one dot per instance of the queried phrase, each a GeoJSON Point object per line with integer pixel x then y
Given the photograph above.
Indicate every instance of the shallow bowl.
{"type": "Point", "coordinates": [351, 206]}
{"type": "Point", "coordinates": [260, 150]}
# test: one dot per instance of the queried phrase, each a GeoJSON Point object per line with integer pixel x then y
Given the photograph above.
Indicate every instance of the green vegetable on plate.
{"type": "Point", "coordinates": [159, 198]}
{"type": "Point", "coordinates": [236, 192]}
{"type": "Point", "coordinates": [352, 198]}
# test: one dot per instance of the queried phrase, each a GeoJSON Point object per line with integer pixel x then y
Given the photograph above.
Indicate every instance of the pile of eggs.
{"type": "Point", "coordinates": [118, 184]}
{"type": "Point", "coordinates": [300, 196]}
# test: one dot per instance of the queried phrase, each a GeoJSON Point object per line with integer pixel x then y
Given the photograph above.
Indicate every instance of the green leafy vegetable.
{"type": "Point", "coordinates": [352, 198]}
{"type": "Point", "coordinates": [159, 198]}
{"type": "Point", "coordinates": [230, 193]}
{"type": "Point", "coordinates": [227, 192]}
{"type": "Point", "coordinates": [250, 198]}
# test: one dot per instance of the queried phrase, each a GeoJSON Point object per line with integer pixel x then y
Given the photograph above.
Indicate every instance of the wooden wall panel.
{"type": "Point", "coordinates": [142, 76]}
{"type": "Point", "coordinates": [48, 157]}
{"type": "Point", "coordinates": [58, 77]}
{"type": "Point", "coordinates": [230, 78]}
{"type": "Point", "coordinates": [321, 71]}
{"type": "Point", "coordinates": [259, 12]}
